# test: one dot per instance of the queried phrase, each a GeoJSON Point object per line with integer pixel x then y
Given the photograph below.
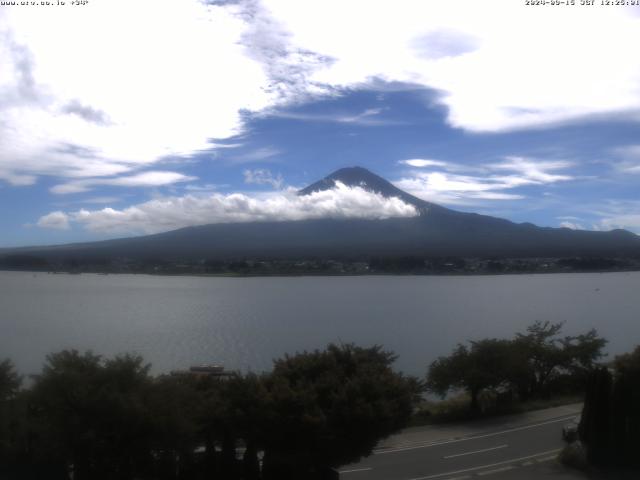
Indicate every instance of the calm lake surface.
{"type": "Point", "coordinates": [244, 323]}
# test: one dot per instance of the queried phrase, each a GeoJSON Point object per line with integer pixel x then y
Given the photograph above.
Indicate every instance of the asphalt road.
{"type": "Point", "coordinates": [504, 451]}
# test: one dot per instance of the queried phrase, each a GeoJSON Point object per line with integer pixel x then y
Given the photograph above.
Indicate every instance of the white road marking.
{"type": "Point", "coordinates": [496, 470]}
{"type": "Point", "coordinates": [356, 470]}
{"type": "Point", "coordinates": [471, 469]}
{"type": "Point", "coordinates": [546, 459]}
{"type": "Point", "coordinates": [465, 439]}
{"type": "Point", "coordinates": [476, 451]}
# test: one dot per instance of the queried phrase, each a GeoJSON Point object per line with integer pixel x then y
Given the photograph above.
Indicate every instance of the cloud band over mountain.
{"type": "Point", "coordinates": [170, 213]}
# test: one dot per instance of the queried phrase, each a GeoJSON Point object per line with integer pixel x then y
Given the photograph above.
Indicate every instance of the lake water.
{"type": "Point", "coordinates": [246, 322]}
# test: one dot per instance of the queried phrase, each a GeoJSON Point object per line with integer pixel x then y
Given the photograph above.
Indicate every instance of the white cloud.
{"type": "Point", "coordinates": [498, 64]}
{"type": "Point", "coordinates": [207, 187]}
{"type": "Point", "coordinates": [628, 221]}
{"type": "Point", "coordinates": [631, 152]}
{"type": "Point", "coordinates": [101, 200]}
{"type": "Point", "coordinates": [630, 168]}
{"type": "Point", "coordinates": [369, 117]}
{"type": "Point", "coordinates": [95, 91]}
{"type": "Point", "coordinates": [145, 179]}
{"type": "Point", "coordinates": [630, 155]}
{"type": "Point", "coordinates": [572, 225]}
{"type": "Point", "coordinates": [257, 155]}
{"type": "Point", "coordinates": [16, 179]}
{"type": "Point", "coordinates": [169, 213]}
{"type": "Point", "coordinates": [450, 189]}
{"type": "Point", "coordinates": [262, 176]}
{"type": "Point", "coordinates": [612, 214]}
{"type": "Point", "coordinates": [485, 182]}
{"type": "Point", "coordinates": [112, 104]}
{"type": "Point", "coordinates": [55, 220]}
{"type": "Point", "coordinates": [287, 66]}
{"type": "Point", "coordinates": [616, 213]}
{"type": "Point", "coordinates": [532, 170]}
{"type": "Point", "coordinates": [438, 44]}
{"type": "Point", "coordinates": [423, 162]}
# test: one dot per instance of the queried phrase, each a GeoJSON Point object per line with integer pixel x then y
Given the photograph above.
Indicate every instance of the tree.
{"type": "Point", "coordinates": [628, 363]}
{"type": "Point", "coordinates": [546, 355]}
{"type": "Point", "coordinates": [626, 408]}
{"type": "Point", "coordinates": [543, 355]}
{"type": "Point", "coordinates": [485, 364]}
{"type": "Point", "coordinates": [610, 425]}
{"type": "Point", "coordinates": [11, 425]}
{"type": "Point", "coordinates": [10, 381]}
{"type": "Point", "coordinates": [595, 424]}
{"type": "Point", "coordinates": [582, 352]}
{"type": "Point", "coordinates": [247, 417]}
{"type": "Point", "coordinates": [234, 412]}
{"type": "Point", "coordinates": [331, 407]}
{"type": "Point", "coordinates": [528, 363]}
{"type": "Point", "coordinates": [177, 405]}
{"type": "Point", "coordinates": [92, 415]}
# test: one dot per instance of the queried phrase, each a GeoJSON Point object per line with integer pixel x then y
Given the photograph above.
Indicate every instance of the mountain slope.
{"type": "Point", "coordinates": [436, 231]}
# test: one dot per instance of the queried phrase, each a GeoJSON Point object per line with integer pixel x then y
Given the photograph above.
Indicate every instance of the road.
{"type": "Point", "coordinates": [512, 447]}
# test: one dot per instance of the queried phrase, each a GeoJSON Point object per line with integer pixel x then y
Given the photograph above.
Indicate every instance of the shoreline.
{"type": "Point", "coordinates": [324, 274]}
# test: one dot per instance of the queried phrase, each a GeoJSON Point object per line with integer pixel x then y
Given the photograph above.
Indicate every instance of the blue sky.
{"type": "Point", "coordinates": [249, 100]}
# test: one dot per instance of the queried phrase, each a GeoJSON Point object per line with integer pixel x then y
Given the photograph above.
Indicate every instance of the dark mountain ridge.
{"type": "Point", "coordinates": [436, 232]}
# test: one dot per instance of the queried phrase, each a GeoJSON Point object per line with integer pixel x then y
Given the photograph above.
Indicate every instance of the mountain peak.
{"type": "Point", "coordinates": [361, 177]}
{"type": "Point", "coordinates": [352, 177]}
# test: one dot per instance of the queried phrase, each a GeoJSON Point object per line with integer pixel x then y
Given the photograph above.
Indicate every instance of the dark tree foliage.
{"type": "Point", "coordinates": [610, 426]}
{"type": "Point", "coordinates": [398, 264]}
{"type": "Point", "coordinates": [531, 364]}
{"type": "Point", "coordinates": [485, 364]}
{"type": "Point", "coordinates": [548, 356]}
{"type": "Point", "coordinates": [100, 419]}
{"type": "Point", "coordinates": [331, 407]}
{"type": "Point", "coordinates": [582, 352]}
{"type": "Point", "coordinates": [10, 425]}
{"type": "Point", "coordinates": [176, 405]}
{"type": "Point", "coordinates": [233, 412]}
{"type": "Point", "coordinates": [10, 381]}
{"type": "Point", "coordinates": [92, 416]}
{"type": "Point", "coordinates": [542, 352]}
{"type": "Point", "coordinates": [26, 262]}
{"type": "Point", "coordinates": [248, 416]}
{"type": "Point", "coordinates": [595, 424]}
{"type": "Point", "coordinates": [588, 263]}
